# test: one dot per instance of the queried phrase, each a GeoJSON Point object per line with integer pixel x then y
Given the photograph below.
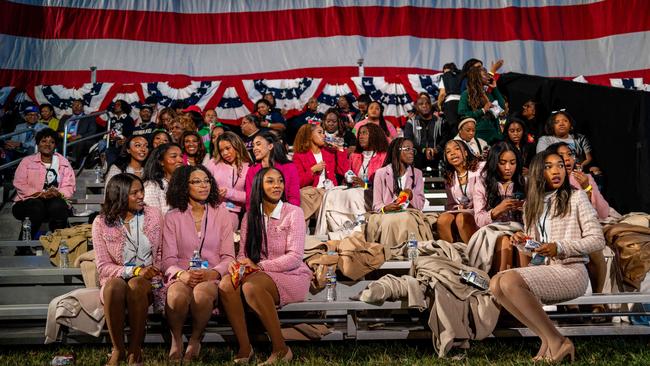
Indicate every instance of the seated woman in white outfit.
{"type": "Point", "coordinates": [563, 222]}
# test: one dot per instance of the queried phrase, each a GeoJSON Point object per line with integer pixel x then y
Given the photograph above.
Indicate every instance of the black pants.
{"type": "Point", "coordinates": [450, 109]}
{"type": "Point", "coordinates": [53, 210]}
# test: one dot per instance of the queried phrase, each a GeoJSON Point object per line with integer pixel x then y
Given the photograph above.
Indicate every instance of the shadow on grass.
{"type": "Point", "coordinates": [503, 351]}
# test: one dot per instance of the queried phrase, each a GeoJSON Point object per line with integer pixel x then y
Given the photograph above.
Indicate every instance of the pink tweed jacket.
{"type": "Point", "coordinates": [108, 242]}
{"type": "Point", "coordinates": [578, 233]}
{"type": "Point", "coordinates": [282, 260]}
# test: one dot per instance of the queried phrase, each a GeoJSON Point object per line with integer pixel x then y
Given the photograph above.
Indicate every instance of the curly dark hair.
{"type": "Point", "coordinates": [124, 158]}
{"type": "Point", "coordinates": [471, 161]}
{"type": "Point", "coordinates": [47, 132]}
{"type": "Point", "coordinates": [178, 192]}
{"type": "Point", "coordinates": [200, 152]}
{"type": "Point", "coordinates": [153, 170]}
{"type": "Point", "coordinates": [376, 141]}
{"type": "Point", "coordinates": [491, 177]}
{"type": "Point", "coordinates": [116, 201]}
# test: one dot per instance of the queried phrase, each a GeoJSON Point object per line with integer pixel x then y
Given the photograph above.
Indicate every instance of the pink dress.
{"type": "Point", "coordinates": [180, 239]}
{"type": "Point", "coordinates": [282, 260]}
{"type": "Point", "coordinates": [108, 242]}
{"type": "Point", "coordinates": [227, 177]}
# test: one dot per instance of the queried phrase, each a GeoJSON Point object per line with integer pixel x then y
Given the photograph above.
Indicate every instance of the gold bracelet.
{"type": "Point", "coordinates": [178, 274]}
{"type": "Point", "coordinates": [589, 188]}
{"type": "Point", "coordinates": [136, 271]}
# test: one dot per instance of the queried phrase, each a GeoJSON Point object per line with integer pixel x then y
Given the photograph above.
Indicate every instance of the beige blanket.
{"type": "Point", "coordinates": [79, 309]}
{"type": "Point", "coordinates": [392, 229]}
{"type": "Point", "coordinates": [339, 205]}
{"type": "Point", "coordinates": [480, 248]}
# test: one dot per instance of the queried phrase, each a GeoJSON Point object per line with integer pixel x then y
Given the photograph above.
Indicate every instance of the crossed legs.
{"type": "Point", "coordinates": [119, 295]}
{"type": "Point", "coordinates": [262, 296]}
{"type": "Point", "coordinates": [182, 299]}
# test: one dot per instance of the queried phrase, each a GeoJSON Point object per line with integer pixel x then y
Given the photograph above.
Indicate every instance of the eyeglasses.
{"type": "Point", "coordinates": [407, 149]}
{"type": "Point", "coordinates": [196, 182]}
{"type": "Point", "coordinates": [558, 111]}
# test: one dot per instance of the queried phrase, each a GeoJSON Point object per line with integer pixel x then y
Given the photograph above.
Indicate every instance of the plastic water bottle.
{"type": "Point", "coordinates": [195, 261]}
{"type": "Point", "coordinates": [474, 279]}
{"type": "Point", "coordinates": [63, 252]}
{"type": "Point", "coordinates": [412, 247]}
{"type": "Point", "coordinates": [27, 229]}
{"type": "Point", "coordinates": [331, 285]}
{"type": "Point", "coordinates": [441, 167]}
{"type": "Point", "coordinates": [98, 174]}
{"type": "Point", "coordinates": [361, 219]}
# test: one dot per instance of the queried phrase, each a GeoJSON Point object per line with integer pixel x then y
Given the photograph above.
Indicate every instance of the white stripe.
{"type": "Point", "coordinates": [70, 93]}
{"type": "Point", "coordinates": [605, 55]}
{"type": "Point", "coordinates": [283, 103]}
{"type": "Point", "coordinates": [236, 6]}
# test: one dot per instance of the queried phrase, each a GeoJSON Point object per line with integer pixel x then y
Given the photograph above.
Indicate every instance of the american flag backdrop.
{"type": "Point", "coordinates": [227, 51]}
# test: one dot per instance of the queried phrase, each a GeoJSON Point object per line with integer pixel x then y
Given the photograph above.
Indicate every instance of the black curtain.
{"type": "Point", "coordinates": [615, 120]}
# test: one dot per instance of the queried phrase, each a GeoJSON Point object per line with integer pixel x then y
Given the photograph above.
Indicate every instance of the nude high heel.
{"type": "Point", "coordinates": [275, 358]}
{"type": "Point", "coordinates": [567, 349]}
{"type": "Point", "coordinates": [244, 360]}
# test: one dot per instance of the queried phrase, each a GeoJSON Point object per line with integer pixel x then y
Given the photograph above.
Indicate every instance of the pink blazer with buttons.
{"type": "Point", "coordinates": [282, 260]}
{"type": "Point", "coordinates": [382, 190]}
{"type": "Point", "coordinates": [108, 242]}
{"type": "Point", "coordinates": [454, 192]}
{"type": "Point", "coordinates": [356, 161]}
{"type": "Point", "coordinates": [30, 177]}
{"type": "Point", "coordinates": [180, 239]}
{"type": "Point", "coordinates": [335, 164]}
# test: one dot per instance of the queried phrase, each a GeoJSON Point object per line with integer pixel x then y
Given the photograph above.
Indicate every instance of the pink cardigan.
{"type": "Point", "coordinates": [305, 160]}
{"type": "Point", "coordinates": [108, 242]}
{"type": "Point", "coordinates": [454, 192]}
{"type": "Point", "coordinates": [382, 191]}
{"type": "Point", "coordinates": [597, 199]}
{"type": "Point", "coordinates": [356, 161]}
{"type": "Point", "coordinates": [30, 177]}
{"type": "Point", "coordinates": [180, 239]}
{"type": "Point", "coordinates": [291, 182]}
{"type": "Point", "coordinates": [282, 260]}
{"type": "Point", "coordinates": [223, 173]}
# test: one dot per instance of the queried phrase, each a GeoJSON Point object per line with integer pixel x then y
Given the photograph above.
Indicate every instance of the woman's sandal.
{"type": "Point", "coordinates": [600, 308]}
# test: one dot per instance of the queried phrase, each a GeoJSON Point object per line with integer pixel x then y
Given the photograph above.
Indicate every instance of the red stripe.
{"type": "Point", "coordinates": [550, 23]}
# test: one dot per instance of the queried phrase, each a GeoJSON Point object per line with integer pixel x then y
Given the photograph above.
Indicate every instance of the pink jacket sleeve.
{"type": "Point", "coordinates": [67, 183]}
{"type": "Point", "coordinates": [249, 183]}
{"type": "Point", "coordinates": [295, 245]}
{"type": "Point", "coordinates": [170, 246]}
{"type": "Point", "coordinates": [418, 191]}
{"type": "Point", "coordinates": [479, 198]}
{"type": "Point", "coordinates": [597, 200]}
{"type": "Point", "coordinates": [21, 181]}
{"type": "Point", "coordinates": [226, 249]}
{"type": "Point", "coordinates": [292, 185]}
{"type": "Point", "coordinates": [241, 254]}
{"type": "Point", "coordinates": [380, 190]}
{"type": "Point", "coordinates": [106, 267]}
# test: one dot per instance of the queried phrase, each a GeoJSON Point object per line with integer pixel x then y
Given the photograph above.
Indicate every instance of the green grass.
{"type": "Point", "coordinates": [504, 351]}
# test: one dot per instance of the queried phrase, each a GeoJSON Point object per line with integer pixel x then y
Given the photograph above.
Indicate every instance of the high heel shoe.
{"type": "Point", "coordinates": [190, 354]}
{"type": "Point", "coordinates": [244, 360]}
{"type": "Point", "coordinates": [566, 349]}
{"type": "Point", "coordinates": [275, 358]}
{"type": "Point", "coordinates": [132, 361]}
{"type": "Point", "coordinates": [542, 355]}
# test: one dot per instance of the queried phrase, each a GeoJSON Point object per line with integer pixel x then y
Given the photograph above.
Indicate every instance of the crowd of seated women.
{"type": "Point", "coordinates": [175, 196]}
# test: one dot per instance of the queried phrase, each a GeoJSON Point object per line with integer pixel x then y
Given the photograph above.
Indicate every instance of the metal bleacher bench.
{"type": "Point", "coordinates": [26, 289]}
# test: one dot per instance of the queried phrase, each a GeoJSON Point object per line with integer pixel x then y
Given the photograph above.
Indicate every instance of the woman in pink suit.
{"type": "Point", "coordinates": [127, 238]}
{"type": "Point", "coordinates": [194, 229]}
{"type": "Point", "coordinates": [317, 165]}
{"type": "Point", "coordinates": [369, 154]}
{"type": "Point", "coordinates": [269, 152]}
{"type": "Point", "coordinates": [229, 168]}
{"type": "Point", "coordinates": [272, 242]}
{"type": "Point", "coordinates": [462, 173]}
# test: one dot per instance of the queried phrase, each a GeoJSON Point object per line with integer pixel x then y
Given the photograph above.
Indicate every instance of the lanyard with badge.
{"type": "Point", "coordinates": [197, 261]}
{"type": "Point", "coordinates": [229, 204]}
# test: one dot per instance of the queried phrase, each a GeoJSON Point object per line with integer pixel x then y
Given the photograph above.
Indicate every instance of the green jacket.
{"type": "Point", "coordinates": [487, 126]}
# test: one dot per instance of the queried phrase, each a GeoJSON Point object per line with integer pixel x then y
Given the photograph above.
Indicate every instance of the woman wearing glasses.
{"type": "Point", "coordinates": [197, 247]}
{"type": "Point", "coordinates": [317, 166]}
{"type": "Point", "coordinates": [398, 186]}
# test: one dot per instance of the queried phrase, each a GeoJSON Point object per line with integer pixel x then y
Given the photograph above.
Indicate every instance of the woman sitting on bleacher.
{"type": "Point", "coordinates": [498, 197]}
{"type": "Point", "coordinates": [229, 168]}
{"type": "Point", "coordinates": [127, 239]}
{"type": "Point", "coordinates": [269, 152]}
{"type": "Point", "coordinates": [515, 133]}
{"type": "Point", "coordinates": [43, 181]}
{"type": "Point", "coordinates": [131, 159]}
{"type": "Point", "coordinates": [158, 172]}
{"type": "Point", "coordinates": [369, 154]}
{"type": "Point", "coordinates": [269, 271]}
{"type": "Point", "coordinates": [193, 149]}
{"type": "Point", "coordinates": [462, 173]}
{"type": "Point", "coordinates": [597, 266]}
{"type": "Point", "coordinates": [197, 247]}
{"type": "Point", "coordinates": [376, 117]}
{"type": "Point", "coordinates": [467, 134]}
{"type": "Point", "coordinates": [337, 131]}
{"type": "Point", "coordinates": [565, 230]}
{"type": "Point", "coordinates": [398, 186]}
{"type": "Point", "coordinates": [318, 165]}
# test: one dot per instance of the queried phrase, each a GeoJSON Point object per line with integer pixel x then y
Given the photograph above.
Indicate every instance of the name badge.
{"type": "Point", "coordinates": [230, 205]}
{"type": "Point", "coordinates": [204, 264]}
